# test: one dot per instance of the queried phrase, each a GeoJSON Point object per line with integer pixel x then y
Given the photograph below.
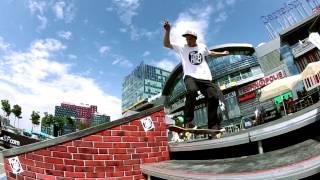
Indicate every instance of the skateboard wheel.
{"type": "Point", "coordinates": [218, 136]}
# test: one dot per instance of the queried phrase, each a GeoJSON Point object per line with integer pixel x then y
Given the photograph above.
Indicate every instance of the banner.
{"type": "Point", "coordinates": [314, 38]}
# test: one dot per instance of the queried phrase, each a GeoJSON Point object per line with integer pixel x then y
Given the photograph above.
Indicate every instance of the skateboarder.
{"type": "Point", "coordinates": [197, 75]}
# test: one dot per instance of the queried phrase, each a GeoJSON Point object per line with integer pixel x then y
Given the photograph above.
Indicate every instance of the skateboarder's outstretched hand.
{"type": "Point", "coordinates": [167, 25]}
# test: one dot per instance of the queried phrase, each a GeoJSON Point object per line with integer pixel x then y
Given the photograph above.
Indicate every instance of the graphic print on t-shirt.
{"type": "Point", "coordinates": [195, 58]}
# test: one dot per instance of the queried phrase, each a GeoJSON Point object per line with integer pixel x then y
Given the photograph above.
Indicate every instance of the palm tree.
{"type": "Point", "coordinates": [35, 119]}
{"type": "Point", "coordinates": [16, 110]}
{"type": "Point", "coordinates": [6, 108]}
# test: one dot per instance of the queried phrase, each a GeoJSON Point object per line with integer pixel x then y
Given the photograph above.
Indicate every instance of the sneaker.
{"type": "Point", "coordinates": [215, 127]}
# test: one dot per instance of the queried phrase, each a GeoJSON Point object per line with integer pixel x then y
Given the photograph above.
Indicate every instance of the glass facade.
{"type": "Point", "coordinates": [144, 82]}
{"type": "Point", "coordinates": [64, 112]}
{"type": "Point", "coordinates": [230, 72]}
{"type": "Point", "coordinates": [270, 61]}
{"type": "Point", "coordinates": [288, 59]}
{"type": "Point", "coordinates": [99, 119]}
{"type": "Point", "coordinates": [233, 63]}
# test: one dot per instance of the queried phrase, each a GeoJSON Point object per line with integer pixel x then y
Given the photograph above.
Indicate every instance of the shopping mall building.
{"type": "Point", "coordinates": [246, 70]}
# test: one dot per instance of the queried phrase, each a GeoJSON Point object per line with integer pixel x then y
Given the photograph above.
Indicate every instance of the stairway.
{"type": "Point", "coordinates": [288, 148]}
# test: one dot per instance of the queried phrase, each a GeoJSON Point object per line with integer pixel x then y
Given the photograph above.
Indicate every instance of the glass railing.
{"type": "Point", "coordinates": [302, 47]}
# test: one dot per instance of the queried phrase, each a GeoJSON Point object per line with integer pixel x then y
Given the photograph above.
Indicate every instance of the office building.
{"type": "Point", "coordinates": [142, 83]}
{"type": "Point", "coordinates": [99, 119]}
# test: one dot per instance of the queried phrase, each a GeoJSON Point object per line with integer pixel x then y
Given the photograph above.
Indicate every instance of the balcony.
{"type": "Point", "coordinates": [302, 47]}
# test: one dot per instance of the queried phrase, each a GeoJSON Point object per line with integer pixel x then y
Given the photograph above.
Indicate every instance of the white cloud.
{"type": "Point", "coordinates": [64, 11]}
{"type": "Point", "coordinates": [37, 6]}
{"type": "Point", "coordinates": [165, 64]}
{"type": "Point", "coordinates": [38, 9]}
{"type": "Point", "coordinates": [121, 61]}
{"type": "Point", "coordinates": [101, 32]}
{"type": "Point", "coordinates": [58, 9]}
{"type": "Point", "coordinates": [230, 2]}
{"type": "Point", "coordinates": [126, 9]}
{"type": "Point", "coordinates": [220, 5]}
{"type": "Point", "coordinates": [43, 22]}
{"type": "Point", "coordinates": [221, 17]}
{"type": "Point", "coordinates": [34, 81]}
{"type": "Point", "coordinates": [123, 30]}
{"type": "Point", "coordinates": [109, 9]}
{"type": "Point", "coordinates": [146, 53]}
{"type": "Point", "coordinates": [72, 56]}
{"type": "Point", "coordinates": [65, 34]}
{"type": "Point", "coordinates": [104, 49]}
{"type": "Point", "coordinates": [138, 33]}
{"type": "Point", "coordinates": [3, 45]}
{"type": "Point", "coordinates": [196, 20]}
{"type": "Point", "coordinates": [47, 45]}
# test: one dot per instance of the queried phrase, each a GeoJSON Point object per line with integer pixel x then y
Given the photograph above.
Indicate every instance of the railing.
{"type": "Point", "coordinates": [302, 47]}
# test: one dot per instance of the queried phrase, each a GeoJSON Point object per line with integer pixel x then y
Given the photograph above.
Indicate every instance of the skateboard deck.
{"type": "Point", "coordinates": [186, 131]}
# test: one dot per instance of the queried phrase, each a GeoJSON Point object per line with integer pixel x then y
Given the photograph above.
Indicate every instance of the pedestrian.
{"type": "Point", "coordinates": [260, 114]}
{"type": "Point", "coordinates": [197, 75]}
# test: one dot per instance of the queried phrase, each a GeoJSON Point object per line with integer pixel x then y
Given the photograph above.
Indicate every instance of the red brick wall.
{"type": "Point", "coordinates": [114, 153]}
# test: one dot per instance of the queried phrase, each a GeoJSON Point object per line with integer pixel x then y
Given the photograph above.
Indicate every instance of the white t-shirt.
{"type": "Point", "coordinates": [194, 61]}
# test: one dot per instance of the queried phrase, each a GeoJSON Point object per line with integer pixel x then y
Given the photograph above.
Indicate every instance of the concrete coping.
{"type": "Point", "coordinates": [77, 135]}
{"type": "Point", "coordinates": [268, 130]}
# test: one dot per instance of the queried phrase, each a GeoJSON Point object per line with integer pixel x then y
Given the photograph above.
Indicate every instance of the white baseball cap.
{"type": "Point", "coordinates": [188, 32]}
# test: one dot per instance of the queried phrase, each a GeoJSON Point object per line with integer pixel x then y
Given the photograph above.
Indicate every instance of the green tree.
{"type": "Point", "coordinates": [6, 107]}
{"type": "Point", "coordinates": [16, 110]}
{"type": "Point", "coordinates": [81, 125]}
{"type": "Point", "coordinates": [35, 117]}
{"type": "Point", "coordinates": [47, 120]}
{"type": "Point", "coordinates": [59, 122]}
{"type": "Point", "coordinates": [69, 120]}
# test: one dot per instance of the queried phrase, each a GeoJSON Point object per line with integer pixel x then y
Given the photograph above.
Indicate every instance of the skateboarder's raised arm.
{"type": "Point", "coordinates": [166, 38]}
{"type": "Point", "coordinates": [216, 53]}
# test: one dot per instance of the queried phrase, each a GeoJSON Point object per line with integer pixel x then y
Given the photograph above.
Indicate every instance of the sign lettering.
{"type": "Point", "coordinates": [261, 82]}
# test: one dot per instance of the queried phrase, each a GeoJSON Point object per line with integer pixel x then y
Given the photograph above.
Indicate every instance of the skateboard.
{"type": "Point", "coordinates": [186, 133]}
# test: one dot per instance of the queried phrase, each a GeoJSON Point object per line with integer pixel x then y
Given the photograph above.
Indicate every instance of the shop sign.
{"type": "Point", "coordinates": [247, 97]}
{"type": "Point", "coordinates": [261, 82]}
{"type": "Point", "coordinates": [9, 140]}
{"type": "Point", "coordinates": [14, 140]}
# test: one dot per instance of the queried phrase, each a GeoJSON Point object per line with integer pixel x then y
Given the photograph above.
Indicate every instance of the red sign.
{"type": "Point", "coordinates": [261, 82]}
{"type": "Point", "coordinates": [247, 97]}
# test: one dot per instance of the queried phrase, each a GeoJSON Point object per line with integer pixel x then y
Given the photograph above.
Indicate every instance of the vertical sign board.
{"type": "Point", "coordinates": [15, 165]}
{"type": "Point", "coordinates": [147, 123]}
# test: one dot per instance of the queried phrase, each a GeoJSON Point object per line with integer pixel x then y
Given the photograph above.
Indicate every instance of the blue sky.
{"type": "Point", "coordinates": [79, 51]}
